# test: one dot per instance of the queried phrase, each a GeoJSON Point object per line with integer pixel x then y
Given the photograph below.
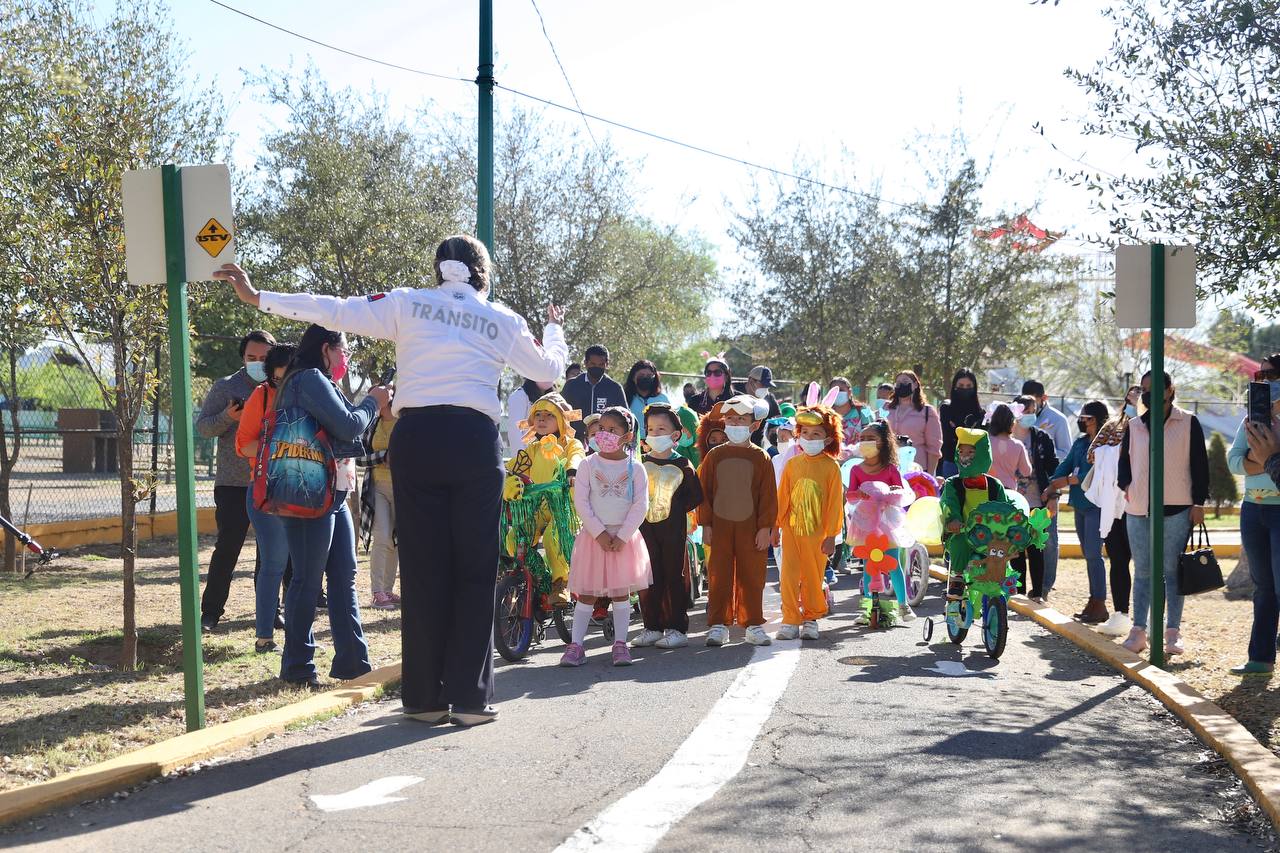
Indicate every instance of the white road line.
{"type": "Point", "coordinates": [713, 754]}
{"type": "Point", "coordinates": [376, 793]}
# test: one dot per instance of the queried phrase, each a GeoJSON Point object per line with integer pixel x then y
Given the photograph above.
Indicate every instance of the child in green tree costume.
{"type": "Point", "coordinates": [961, 495]}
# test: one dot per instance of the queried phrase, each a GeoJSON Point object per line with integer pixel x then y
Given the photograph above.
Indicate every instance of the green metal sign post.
{"type": "Point", "coordinates": [484, 151]}
{"type": "Point", "coordinates": [184, 466]}
{"type": "Point", "coordinates": [1155, 506]}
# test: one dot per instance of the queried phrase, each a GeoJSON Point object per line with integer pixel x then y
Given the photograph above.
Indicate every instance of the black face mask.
{"type": "Point", "coordinates": [1082, 425]}
{"type": "Point", "coordinates": [646, 384]}
{"type": "Point", "coordinates": [904, 389]}
{"type": "Point", "coordinates": [595, 373]}
{"type": "Point", "coordinates": [964, 395]}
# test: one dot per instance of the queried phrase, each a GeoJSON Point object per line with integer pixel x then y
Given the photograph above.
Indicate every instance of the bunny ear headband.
{"type": "Point", "coordinates": [811, 396]}
{"type": "Point", "coordinates": [1017, 409]}
{"type": "Point", "coordinates": [709, 357]}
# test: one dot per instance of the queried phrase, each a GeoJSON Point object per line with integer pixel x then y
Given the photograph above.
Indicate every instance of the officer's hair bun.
{"type": "Point", "coordinates": [470, 251]}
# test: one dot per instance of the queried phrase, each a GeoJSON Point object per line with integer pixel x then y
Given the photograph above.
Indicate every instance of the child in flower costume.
{"type": "Point", "coordinates": [810, 515]}
{"type": "Point", "coordinates": [961, 495]}
{"type": "Point", "coordinates": [538, 506]}
{"type": "Point", "coordinates": [877, 496]}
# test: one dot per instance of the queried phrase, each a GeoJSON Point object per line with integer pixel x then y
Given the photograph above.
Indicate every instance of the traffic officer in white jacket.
{"type": "Point", "coordinates": [445, 456]}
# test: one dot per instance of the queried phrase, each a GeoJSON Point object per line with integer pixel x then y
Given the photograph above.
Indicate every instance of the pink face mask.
{"type": "Point", "coordinates": [608, 442]}
{"type": "Point", "coordinates": [338, 368]}
{"type": "Point", "coordinates": [715, 383]}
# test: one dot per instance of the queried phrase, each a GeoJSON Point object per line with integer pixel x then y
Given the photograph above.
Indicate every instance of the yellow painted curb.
{"type": "Point", "coordinates": [1257, 766]}
{"type": "Point", "coordinates": [1072, 550]}
{"type": "Point", "coordinates": [149, 762]}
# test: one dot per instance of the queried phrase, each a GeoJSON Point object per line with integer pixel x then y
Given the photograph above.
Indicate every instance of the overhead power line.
{"type": "Point", "coordinates": [578, 110]}
{"type": "Point", "coordinates": [565, 74]}
{"type": "Point", "coordinates": [351, 53]}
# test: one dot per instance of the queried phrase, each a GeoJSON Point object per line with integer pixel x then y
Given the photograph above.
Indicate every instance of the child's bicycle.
{"type": "Point", "coordinates": [997, 531]}
{"type": "Point", "coordinates": [522, 601]}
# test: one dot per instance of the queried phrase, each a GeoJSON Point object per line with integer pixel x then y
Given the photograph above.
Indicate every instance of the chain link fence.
{"type": "Point", "coordinates": [67, 465]}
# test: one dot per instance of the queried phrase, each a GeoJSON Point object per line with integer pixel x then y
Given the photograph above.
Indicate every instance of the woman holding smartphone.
{"type": "Point", "coordinates": [1254, 443]}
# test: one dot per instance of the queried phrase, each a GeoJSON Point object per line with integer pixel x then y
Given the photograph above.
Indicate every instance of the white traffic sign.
{"type": "Point", "coordinates": [1133, 287]}
{"type": "Point", "coordinates": [208, 228]}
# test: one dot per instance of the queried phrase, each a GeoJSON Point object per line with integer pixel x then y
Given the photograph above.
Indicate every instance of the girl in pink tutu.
{"type": "Point", "coordinates": [609, 555]}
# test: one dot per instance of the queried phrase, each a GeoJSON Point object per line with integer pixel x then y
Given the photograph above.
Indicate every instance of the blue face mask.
{"type": "Point", "coordinates": [1275, 390]}
{"type": "Point", "coordinates": [1027, 421]}
{"type": "Point", "coordinates": [591, 443]}
{"type": "Point", "coordinates": [257, 370]}
{"type": "Point", "coordinates": [842, 398]}
{"type": "Point", "coordinates": [1130, 410]}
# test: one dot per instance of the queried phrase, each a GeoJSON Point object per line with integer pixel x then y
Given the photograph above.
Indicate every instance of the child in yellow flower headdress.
{"type": "Point", "coordinates": [539, 476]}
{"type": "Point", "coordinates": [810, 516]}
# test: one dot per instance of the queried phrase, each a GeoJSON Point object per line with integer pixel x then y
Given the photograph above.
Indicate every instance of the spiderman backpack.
{"type": "Point", "coordinates": [294, 472]}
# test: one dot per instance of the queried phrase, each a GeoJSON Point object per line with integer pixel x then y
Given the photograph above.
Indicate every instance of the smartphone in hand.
{"type": "Point", "coordinates": [1260, 403]}
{"type": "Point", "coordinates": [386, 377]}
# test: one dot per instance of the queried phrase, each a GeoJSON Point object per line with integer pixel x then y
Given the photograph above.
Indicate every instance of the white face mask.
{"type": "Point", "coordinates": [813, 446]}
{"type": "Point", "coordinates": [784, 445]}
{"type": "Point", "coordinates": [659, 443]}
{"type": "Point", "coordinates": [738, 434]}
{"type": "Point", "coordinates": [762, 393]}
{"type": "Point", "coordinates": [868, 449]}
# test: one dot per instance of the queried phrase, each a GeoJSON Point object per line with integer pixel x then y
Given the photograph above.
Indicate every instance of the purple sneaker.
{"type": "Point", "coordinates": [574, 656]}
{"type": "Point", "coordinates": [621, 656]}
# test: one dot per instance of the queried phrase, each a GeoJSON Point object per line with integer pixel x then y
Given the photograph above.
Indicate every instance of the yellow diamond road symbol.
{"type": "Point", "coordinates": [213, 238]}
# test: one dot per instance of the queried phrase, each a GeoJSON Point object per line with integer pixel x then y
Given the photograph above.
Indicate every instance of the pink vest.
{"type": "Point", "coordinates": [1177, 462]}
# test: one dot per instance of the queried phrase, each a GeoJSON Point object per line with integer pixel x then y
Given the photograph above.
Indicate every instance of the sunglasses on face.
{"type": "Point", "coordinates": [714, 373]}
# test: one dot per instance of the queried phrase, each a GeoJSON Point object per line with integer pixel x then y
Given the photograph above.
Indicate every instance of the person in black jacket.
{"type": "Point", "coordinates": [961, 409]}
{"type": "Point", "coordinates": [593, 391]}
{"type": "Point", "coordinates": [1044, 461]}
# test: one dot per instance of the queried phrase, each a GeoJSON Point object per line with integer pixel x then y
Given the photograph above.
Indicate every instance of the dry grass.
{"type": "Point", "coordinates": [63, 703]}
{"type": "Point", "coordinates": [1216, 631]}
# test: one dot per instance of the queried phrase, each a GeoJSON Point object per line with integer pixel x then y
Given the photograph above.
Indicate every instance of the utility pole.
{"type": "Point", "coordinates": [484, 151]}
{"type": "Point", "coordinates": [1155, 505]}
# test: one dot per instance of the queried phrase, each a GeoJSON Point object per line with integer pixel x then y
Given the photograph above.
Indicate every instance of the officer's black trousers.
{"type": "Point", "coordinates": [446, 466]}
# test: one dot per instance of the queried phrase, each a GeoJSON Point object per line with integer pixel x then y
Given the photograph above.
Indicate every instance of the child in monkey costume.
{"type": "Point", "coordinates": [737, 518]}
{"type": "Point", "coordinates": [810, 516]}
{"type": "Point", "coordinates": [550, 454]}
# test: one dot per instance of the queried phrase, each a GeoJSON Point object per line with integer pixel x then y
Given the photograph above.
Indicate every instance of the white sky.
{"type": "Point", "coordinates": [763, 81]}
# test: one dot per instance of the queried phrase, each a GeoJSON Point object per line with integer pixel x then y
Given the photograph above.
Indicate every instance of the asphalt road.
{"type": "Point", "coordinates": [875, 742]}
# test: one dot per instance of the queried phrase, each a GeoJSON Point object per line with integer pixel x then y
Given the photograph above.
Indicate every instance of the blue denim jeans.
{"type": "Point", "coordinates": [1260, 535]}
{"type": "Point", "coordinates": [323, 548]}
{"type": "Point", "coordinates": [1176, 529]}
{"type": "Point", "coordinates": [1087, 523]}
{"type": "Point", "coordinates": [273, 556]}
{"type": "Point", "coordinates": [1051, 556]}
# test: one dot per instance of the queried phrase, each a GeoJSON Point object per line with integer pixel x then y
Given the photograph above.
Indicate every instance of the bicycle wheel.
{"type": "Point", "coordinates": [995, 626]}
{"type": "Point", "coordinates": [957, 630]}
{"type": "Point", "coordinates": [512, 631]}
{"type": "Point", "coordinates": [562, 618]}
{"type": "Point", "coordinates": [917, 574]}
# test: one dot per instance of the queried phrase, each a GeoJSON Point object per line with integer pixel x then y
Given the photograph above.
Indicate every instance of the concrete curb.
{"type": "Point", "coordinates": [1257, 766]}
{"type": "Point", "coordinates": [1072, 550]}
{"type": "Point", "coordinates": [138, 766]}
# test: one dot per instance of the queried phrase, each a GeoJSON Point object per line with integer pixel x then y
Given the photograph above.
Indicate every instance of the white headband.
{"type": "Point", "coordinates": [455, 271]}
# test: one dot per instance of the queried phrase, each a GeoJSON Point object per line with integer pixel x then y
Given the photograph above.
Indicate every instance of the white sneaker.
{"type": "Point", "coordinates": [673, 639]}
{"type": "Point", "coordinates": [905, 613]}
{"type": "Point", "coordinates": [646, 638]}
{"type": "Point", "coordinates": [757, 637]}
{"type": "Point", "coordinates": [809, 630]}
{"type": "Point", "coordinates": [787, 632]}
{"type": "Point", "coordinates": [717, 635]}
{"type": "Point", "coordinates": [1116, 626]}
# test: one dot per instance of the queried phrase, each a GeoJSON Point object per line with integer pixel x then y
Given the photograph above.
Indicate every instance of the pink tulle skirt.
{"type": "Point", "coordinates": [594, 571]}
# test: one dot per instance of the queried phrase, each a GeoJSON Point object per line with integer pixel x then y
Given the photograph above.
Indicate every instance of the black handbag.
{"type": "Point", "coordinates": [1198, 569]}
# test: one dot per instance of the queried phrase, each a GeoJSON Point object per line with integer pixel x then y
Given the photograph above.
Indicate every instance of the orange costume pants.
{"type": "Point", "coordinates": [803, 567]}
{"type": "Point", "coordinates": [735, 574]}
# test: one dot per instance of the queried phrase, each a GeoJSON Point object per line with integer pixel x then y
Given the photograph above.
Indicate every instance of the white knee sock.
{"type": "Point", "coordinates": [581, 621]}
{"type": "Point", "coordinates": [621, 620]}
